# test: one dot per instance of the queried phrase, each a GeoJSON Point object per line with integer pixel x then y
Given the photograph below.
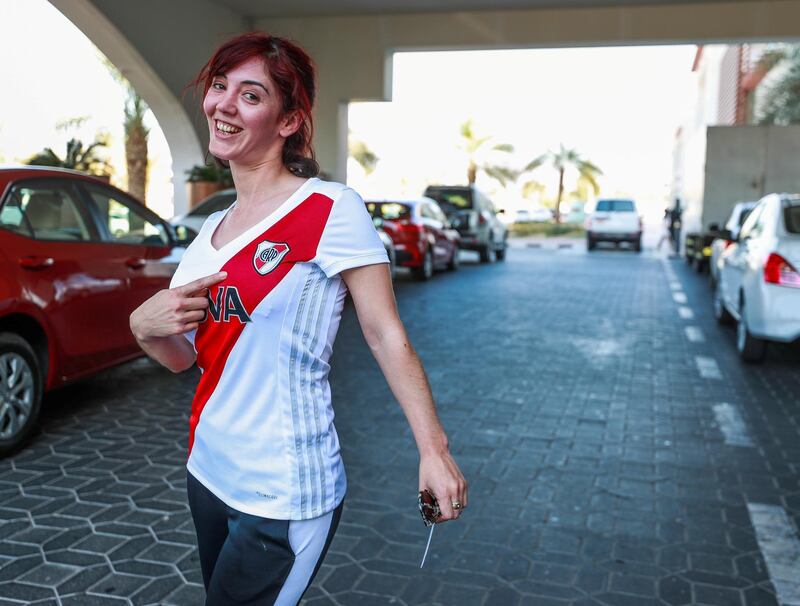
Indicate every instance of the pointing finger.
{"type": "Point", "coordinates": [202, 283]}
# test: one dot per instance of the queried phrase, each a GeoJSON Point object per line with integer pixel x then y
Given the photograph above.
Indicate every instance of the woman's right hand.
{"type": "Point", "coordinates": [173, 311]}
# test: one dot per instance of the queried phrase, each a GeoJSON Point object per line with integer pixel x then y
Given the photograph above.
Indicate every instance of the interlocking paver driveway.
{"type": "Point", "coordinates": [575, 403]}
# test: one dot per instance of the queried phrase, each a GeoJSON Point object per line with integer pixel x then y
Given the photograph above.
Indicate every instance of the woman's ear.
{"type": "Point", "coordinates": [291, 124]}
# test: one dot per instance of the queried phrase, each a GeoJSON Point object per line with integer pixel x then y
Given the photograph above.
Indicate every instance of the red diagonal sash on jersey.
{"type": "Point", "coordinates": [302, 229]}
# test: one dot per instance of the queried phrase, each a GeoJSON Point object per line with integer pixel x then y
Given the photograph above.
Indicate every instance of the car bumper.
{"type": "Point", "coordinates": [778, 316]}
{"type": "Point", "coordinates": [407, 256]}
{"type": "Point", "coordinates": [614, 237]}
{"type": "Point", "coordinates": [471, 242]}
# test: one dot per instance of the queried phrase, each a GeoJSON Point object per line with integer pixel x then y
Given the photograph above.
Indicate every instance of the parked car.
{"type": "Point", "coordinates": [537, 215]}
{"type": "Point", "coordinates": [422, 235]}
{"type": "Point", "coordinates": [474, 216]}
{"type": "Point", "coordinates": [195, 218]}
{"type": "Point", "coordinates": [77, 256]}
{"type": "Point", "coordinates": [728, 235]}
{"type": "Point", "coordinates": [388, 244]}
{"type": "Point", "coordinates": [758, 284]}
{"type": "Point", "coordinates": [614, 221]}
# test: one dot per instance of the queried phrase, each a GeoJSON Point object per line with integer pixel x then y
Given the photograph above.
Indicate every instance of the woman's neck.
{"type": "Point", "coordinates": [256, 183]}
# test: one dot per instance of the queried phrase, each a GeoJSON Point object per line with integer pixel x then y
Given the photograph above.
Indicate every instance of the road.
{"type": "Point", "coordinates": [618, 453]}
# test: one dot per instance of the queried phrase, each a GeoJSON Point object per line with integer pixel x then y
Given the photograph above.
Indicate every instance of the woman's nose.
{"type": "Point", "coordinates": [226, 103]}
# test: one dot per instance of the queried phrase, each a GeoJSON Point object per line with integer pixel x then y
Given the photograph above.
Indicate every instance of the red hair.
{"type": "Point", "coordinates": [292, 71]}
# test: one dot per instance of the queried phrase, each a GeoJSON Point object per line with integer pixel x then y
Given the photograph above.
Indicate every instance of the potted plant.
{"type": "Point", "coordinates": [205, 179]}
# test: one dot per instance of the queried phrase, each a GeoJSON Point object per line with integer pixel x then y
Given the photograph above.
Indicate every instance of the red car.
{"type": "Point", "coordinates": [77, 256]}
{"type": "Point", "coordinates": [423, 237]}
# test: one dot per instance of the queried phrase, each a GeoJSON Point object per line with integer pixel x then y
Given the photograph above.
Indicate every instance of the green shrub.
{"type": "Point", "coordinates": [546, 229]}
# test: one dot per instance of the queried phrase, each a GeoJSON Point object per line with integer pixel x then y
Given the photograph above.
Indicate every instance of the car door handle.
{"type": "Point", "coordinates": [135, 262]}
{"type": "Point", "coordinates": [36, 262]}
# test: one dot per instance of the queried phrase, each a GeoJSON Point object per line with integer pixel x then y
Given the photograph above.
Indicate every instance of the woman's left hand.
{"type": "Point", "coordinates": [440, 474]}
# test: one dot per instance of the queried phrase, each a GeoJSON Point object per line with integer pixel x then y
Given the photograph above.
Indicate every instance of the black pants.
{"type": "Point", "coordinates": [247, 560]}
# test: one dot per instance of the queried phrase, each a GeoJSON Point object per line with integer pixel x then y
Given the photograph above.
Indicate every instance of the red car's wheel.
{"type": "Point", "coordinates": [20, 392]}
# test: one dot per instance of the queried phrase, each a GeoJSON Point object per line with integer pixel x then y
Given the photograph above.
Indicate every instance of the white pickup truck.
{"type": "Point", "coordinates": [614, 221]}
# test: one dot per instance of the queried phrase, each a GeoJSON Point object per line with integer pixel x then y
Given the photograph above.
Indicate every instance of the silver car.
{"type": "Point", "coordinates": [195, 218]}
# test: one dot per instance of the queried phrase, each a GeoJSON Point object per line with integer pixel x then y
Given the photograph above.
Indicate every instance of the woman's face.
{"type": "Point", "coordinates": [245, 115]}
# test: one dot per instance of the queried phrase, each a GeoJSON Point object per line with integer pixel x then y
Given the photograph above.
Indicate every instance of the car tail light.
{"type": "Point", "coordinates": [728, 243]}
{"type": "Point", "coordinates": [778, 270]}
{"type": "Point", "coordinates": [481, 219]}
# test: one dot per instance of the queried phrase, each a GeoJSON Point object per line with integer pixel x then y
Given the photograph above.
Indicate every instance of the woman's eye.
{"type": "Point", "coordinates": [218, 85]}
{"type": "Point", "coordinates": [251, 97]}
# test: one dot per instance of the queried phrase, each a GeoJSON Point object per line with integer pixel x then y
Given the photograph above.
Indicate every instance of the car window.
{"type": "Point", "coordinates": [626, 206]}
{"type": "Point", "coordinates": [212, 205]}
{"type": "Point", "coordinates": [750, 222]}
{"type": "Point", "coordinates": [743, 216]}
{"type": "Point", "coordinates": [791, 217]}
{"type": "Point", "coordinates": [451, 200]}
{"type": "Point", "coordinates": [389, 210]}
{"type": "Point", "coordinates": [44, 212]}
{"type": "Point", "coordinates": [127, 223]}
{"type": "Point", "coordinates": [438, 214]}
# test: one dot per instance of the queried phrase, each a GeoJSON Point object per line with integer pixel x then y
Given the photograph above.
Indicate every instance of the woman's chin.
{"type": "Point", "coordinates": [219, 151]}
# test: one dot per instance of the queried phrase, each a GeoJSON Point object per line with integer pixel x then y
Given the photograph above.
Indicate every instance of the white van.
{"type": "Point", "coordinates": [614, 221]}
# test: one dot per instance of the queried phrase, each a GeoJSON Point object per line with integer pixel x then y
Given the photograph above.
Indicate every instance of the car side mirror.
{"type": "Point", "coordinates": [726, 234]}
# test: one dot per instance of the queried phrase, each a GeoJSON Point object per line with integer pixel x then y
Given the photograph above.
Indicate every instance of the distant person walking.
{"type": "Point", "coordinates": [666, 232]}
{"type": "Point", "coordinates": [256, 301]}
{"type": "Point", "coordinates": [675, 215]}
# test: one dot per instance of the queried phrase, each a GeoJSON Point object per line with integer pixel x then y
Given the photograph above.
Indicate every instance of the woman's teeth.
{"type": "Point", "coordinates": [227, 128]}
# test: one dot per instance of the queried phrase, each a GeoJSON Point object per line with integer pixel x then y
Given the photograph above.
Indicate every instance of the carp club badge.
{"type": "Point", "coordinates": [268, 255]}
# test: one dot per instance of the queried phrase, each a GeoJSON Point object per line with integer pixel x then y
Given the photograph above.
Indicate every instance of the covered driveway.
{"type": "Point", "coordinates": [160, 46]}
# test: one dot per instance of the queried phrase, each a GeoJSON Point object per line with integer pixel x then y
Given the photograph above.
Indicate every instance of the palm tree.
{"type": "Point", "coordinates": [78, 157]}
{"type": "Point", "coordinates": [361, 153]}
{"type": "Point", "coordinates": [781, 101]}
{"type": "Point", "coordinates": [136, 134]}
{"type": "Point", "coordinates": [480, 153]}
{"type": "Point", "coordinates": [561, 160]}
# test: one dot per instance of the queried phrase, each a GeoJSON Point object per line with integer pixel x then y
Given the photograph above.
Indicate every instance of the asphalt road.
{"type": "Point", "coordinates": [618, 453]}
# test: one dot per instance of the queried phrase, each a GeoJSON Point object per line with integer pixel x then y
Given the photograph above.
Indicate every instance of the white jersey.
{"type": "Point", "coordinates": [261, 429]}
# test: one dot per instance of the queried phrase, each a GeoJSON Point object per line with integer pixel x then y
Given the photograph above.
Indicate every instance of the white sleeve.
{"type": "Point", "coordinates": [349, 239]}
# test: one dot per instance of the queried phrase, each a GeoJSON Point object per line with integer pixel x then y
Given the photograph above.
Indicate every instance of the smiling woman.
{"type": "Point", "coordinates": [257, 301]}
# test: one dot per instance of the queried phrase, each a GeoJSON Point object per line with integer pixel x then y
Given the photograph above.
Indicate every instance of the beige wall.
{"type": "Point", "coordinates": [745, 163]}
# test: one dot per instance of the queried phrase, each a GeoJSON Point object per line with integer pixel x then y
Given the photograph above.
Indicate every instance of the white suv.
{"type": "Point", "coordinates": [758, 283]}
{"type": "Point", "coordinates": [614, 221]}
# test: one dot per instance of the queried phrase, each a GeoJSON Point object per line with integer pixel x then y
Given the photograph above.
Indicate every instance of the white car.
{"type": "Point", "coordinates": [728, 235]}
{"type": "Point", "coordinates": [614, 221]}
{"type": "Point", "coordinates": [537, 215]}
{"type": "Point", "coordinates": [195, 218]}
{"type": "Point", "coordinates": [758, 284]}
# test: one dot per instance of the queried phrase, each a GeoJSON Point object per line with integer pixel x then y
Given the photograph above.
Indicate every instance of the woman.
{"type": "Point", "coordinates": [256, 301]}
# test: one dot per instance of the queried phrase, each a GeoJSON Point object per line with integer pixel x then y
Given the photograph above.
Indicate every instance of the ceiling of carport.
{"type": "Point", "coordinates": [326, 8]}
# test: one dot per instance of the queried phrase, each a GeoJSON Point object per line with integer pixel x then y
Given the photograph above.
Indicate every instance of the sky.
{"type": "Point", "coordinates": [618, 107]}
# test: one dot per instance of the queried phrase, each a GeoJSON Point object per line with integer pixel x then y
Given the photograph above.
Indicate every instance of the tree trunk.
{"type": "Point", "coordinates": [472, 171]}
{"type": "Point", "coordinates": [557, 213]}
{"type": "Point", "coordinates": [136, 157]}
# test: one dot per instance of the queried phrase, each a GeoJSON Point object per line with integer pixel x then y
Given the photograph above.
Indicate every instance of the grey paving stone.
{"type": "Point", "coordinates": [571, 394]}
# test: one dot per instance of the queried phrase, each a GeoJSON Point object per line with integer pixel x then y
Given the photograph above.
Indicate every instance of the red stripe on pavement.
{"type": "Point", "coordinates": [302, 229]}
